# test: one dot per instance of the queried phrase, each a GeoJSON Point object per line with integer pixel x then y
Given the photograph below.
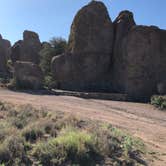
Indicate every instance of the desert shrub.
{"type": "Point", "coordinates": [73, 145]}
{"type": "Point", "coordinates": [50, 83]}
{"type": "Point", "coordinates": [13, 152]}
{"type": "Point", "coordinates": [5, 106]}
{"type": "Point", "coordinates": [32, 133]}
{"type": "Point", "coordinates": [27, 114]}
{"type": "Point", "coordinates": [6, 130]}
{"type": "Point", "coordinates": [57, 138]}
{"type": "Point", "coordinates": [159, 101]}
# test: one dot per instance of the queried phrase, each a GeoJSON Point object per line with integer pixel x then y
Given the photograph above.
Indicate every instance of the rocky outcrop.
{"type": "Point", "coordinates": [144, 61]}
{"type": "Point", "coordinates": [89, 49]}
{"type": "Point", "coordinates": [27, 49]}
{"type": "Point", "coordinates": [4, 56]}
{"type": "Point", "coordinates": [130, 58]}
{"type": "Point", "coordinates": [28, 75]}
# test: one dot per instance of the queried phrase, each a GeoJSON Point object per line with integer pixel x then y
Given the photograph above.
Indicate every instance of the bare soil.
{"type": "Point", "coordinates": [141, 120]}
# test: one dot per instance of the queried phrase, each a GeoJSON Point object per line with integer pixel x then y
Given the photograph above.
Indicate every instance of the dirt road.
{"type": "Point", "coordinates": [141, 120]}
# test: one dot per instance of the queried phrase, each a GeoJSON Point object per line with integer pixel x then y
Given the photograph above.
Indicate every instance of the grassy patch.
{"type": "Point", "coordinates": [37, 136]}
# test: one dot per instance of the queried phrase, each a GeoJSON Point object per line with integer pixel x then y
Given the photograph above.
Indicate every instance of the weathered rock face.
{"type": "Point", "coordinates": [144, 61]}
{"type": "Point", "coordinates": [91, 30]}
{"type": "Point", "coordinates": [4, 56]}
{"type": "Point", "coordinates": [90, 49]}
{"type": "Point", "coordinates": [122, 26]}
{"type": "Point", "coordinates": [27, 49]}
{"type": "Point", "coordinates": [28, 75]}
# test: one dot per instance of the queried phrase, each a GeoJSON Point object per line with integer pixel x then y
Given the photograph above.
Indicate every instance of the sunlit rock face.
{"type": "Point", "coordinates": [144, 52]}
{"type": "Point", "coordinates": [28, 75]}
{"type": "Point", "coordinates": [27, 49]}
{"type": "Point", "coordinates": [90, 47]}
{"type": "Point", "coordinates": [117, 57]}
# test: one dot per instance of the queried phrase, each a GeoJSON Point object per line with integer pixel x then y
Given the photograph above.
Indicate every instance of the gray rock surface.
{"type": "Point", "coordinates": [122, 26]}
{"type": "Point", "coordinates": [28, 75]}
{"type": "Point", "coordinates": [90, 49]}
{"type": "Point", "coordinates": [27, 49]}
{"type": "Point", "coordinates": [144, 61]}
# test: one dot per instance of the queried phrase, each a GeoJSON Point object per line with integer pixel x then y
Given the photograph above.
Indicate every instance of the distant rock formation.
{"type": "Point", "coordinates": [4, 56]}
{"type": "Point", "coordinates": [27, 49]}
{"type": "Point", "coordinates": [28, 75]}
{"type": "Point", "coordinates": [90, 49]}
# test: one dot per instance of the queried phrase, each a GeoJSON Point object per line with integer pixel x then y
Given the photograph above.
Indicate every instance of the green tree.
{"type": "Point", "coordinates": [54, 47]}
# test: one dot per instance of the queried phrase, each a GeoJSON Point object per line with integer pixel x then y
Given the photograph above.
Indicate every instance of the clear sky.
{"type": "Point", "coordinates": [54, 17]}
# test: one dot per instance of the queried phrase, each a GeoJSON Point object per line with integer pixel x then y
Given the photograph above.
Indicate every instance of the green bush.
{"type": "Point", "coordinates": [13, 152]}
{"type": "Point", "coordinates": [159, 101]}
{"type": "Point", "coordinates": [55, 47]}
{"type": "Point", "coordinates": [25, 115]}
{"type": "Point", "coordinates": [32, 133]}
{"type": "Point", "coordinates": [50, 83]}
{"type": "Point", "coordinates": [74, 146]}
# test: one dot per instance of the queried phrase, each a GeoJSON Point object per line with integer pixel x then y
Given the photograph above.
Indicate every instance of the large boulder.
{"type": "Point", "coordinates": [28, 75]}
{"type": "Point", "coordinates": [4, 56]}
{"type": "Point", "coordinates": [143, 53]}
{"type": "Point", "coordinates": [27, 49]}
{"type": "Point", "coordinates": [89, 49]}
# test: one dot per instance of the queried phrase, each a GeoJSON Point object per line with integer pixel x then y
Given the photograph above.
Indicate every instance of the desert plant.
{"type": "Point", "coordinates": [32, 133]}
{"type": "Point", "coordinates": [74, 146]}
{"type": "Point", "coordinates": [12, 151]}
{"type": "Point", "coordinates": [159, 101]}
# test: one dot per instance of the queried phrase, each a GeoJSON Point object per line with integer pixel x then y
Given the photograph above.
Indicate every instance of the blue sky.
{"type": "Point", "coordinates": [54, 17]}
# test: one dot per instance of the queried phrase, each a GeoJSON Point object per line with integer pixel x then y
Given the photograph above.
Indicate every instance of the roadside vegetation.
{"type": "Point", "coordinates": [30, 136]}
{"type": "Point", "coordinates": [159, 102]}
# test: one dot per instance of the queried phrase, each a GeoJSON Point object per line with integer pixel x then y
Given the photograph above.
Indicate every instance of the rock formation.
{"type": "Point", "coordinates": [90, 49]}
{"type": "Point", "coordinates": [28, 75]}
{"type": "Point", "coordinates": [130, 58]}
{"type": "Point", "coordinates": [144, 61]}
{"type": "Point", "coordinates": [27, 49]}
{"type": "Point", "coordinates": [4, 55]}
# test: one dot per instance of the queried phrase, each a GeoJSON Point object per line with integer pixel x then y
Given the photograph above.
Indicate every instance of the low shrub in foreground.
{"type": "Point", "coordinates": [75, 147]}
{"type": "Point", "coordinates": [13, 151]}
{"type": "Point", "coordinates": [30, 136]}
{"type": "Point", "coordinates": [159, 101]}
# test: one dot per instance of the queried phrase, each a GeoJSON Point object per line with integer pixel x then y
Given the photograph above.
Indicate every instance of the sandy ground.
{"type": "Point", "coordinates": [141, 120]}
